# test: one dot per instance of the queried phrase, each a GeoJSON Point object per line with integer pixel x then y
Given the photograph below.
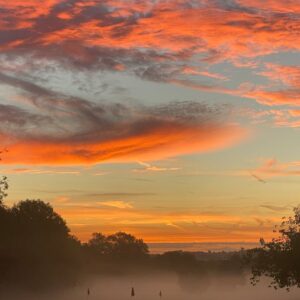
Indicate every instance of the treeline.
{"type": "Point", "coordinates": [37, 251]}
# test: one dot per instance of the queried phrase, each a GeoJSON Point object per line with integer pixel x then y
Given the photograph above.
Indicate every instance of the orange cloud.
{"type": "Point", "coordinates": [71, 130]}
{"type": "Point", "coordinates": [288, 6]}
{"type": "Point", "coordinates": [158, 41]}
{"type": "Point", "coordinates": [283, 90]}
{"type": "Point", "coordinates": [193, 71]}
{"type": "Point", "coordinates": [167, 141]}
{"type": "Point", "coordinates": [40, 171]}
{"type": "Point", "coordinates": [83, 31]}
{"type": "Point", "coordinates": [28, 9]}
{"type": "Point", "coordinates": [289, 97]}
{"type": "Point", "coordinates": [273, 168]}
{"type": "Point", "coordinates": [288, 75]}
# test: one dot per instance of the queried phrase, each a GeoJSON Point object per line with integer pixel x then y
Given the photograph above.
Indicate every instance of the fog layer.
{"type": "Point", "coordinates": [172, 287]}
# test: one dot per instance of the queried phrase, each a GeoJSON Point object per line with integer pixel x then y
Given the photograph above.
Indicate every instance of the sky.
{"type": "Point", "coordinates": [176, 121]}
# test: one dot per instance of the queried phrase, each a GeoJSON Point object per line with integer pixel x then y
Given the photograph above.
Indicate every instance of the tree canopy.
{"type": "Point", "coordinates": [36, 246]}
{"type": "Point", "coordinates": [280, 258]}
{"type": "Point", "coordinates": [3, 189]}
{"type": "Point", "coordinates": [120, 245]}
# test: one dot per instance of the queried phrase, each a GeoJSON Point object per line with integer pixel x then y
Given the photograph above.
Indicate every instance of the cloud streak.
{"type": "Point", "coordinates": [117, 204]}
{"type": "Point", "coordinates": [151, 168]}
{"type": "Point", "coordinates": [273, 168]}
{"type": "Point", "coordinates": [60, 129]}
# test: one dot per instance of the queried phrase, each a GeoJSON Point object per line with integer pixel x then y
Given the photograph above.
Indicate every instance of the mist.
{"type": "Point", "coordinates": [172, 286]}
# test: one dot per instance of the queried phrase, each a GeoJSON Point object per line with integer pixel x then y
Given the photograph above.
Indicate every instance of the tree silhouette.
{"type": "Point", "coordinates": [3, 183]}
{"type": "Point", "coordinates": [35, 223]}
{"type": "Point", "coordinates": [40, 245]}
{"type": "Point", "coordinates": [126, 246]}
{"type": "Point", "coordinates": [3, 189]}
{"type": "Point", "coordinates": [36, 217]}
{"type": "Point", "coordinates": [118, 246]}
{"type": "Point", "coordinates": [280, 258]}
{"type": "Point", "coordinates": [3, 211]}
{"type": "Point", "coordinates": [5, 234]}
{"type": "Point", "coordinates": [98, 244]}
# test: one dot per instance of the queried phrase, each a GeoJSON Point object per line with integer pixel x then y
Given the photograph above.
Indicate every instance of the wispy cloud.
{"type": "Point", "coordinates": [274, 168]}
{"type": "Point", "coordinates": [101, 173]}
{"type": "Point", "coordinates": [40, 171]}
{"type": "Point", "coordinates": [151, 168]}
{"type": "Point", "coordinates": [116, 203]}
{"type": "Point", "coordinates": [120, 194]}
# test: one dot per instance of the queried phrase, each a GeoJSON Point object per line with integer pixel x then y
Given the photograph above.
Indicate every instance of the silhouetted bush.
{"type": "Point", "coordinates": [280, 258]}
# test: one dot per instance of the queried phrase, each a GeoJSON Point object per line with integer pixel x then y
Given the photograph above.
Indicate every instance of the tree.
{"type": "Point", "coordinates": [37, 231]}
{"type": "Point", "coordinates": [4, 216]}
{"type": "Point", "coordinates": [5, 262]}
{"type": "Point", "coordinates": [118, 246]}
{"type": "Point", "coordinates": [98, 244]}
{"type": "Point", "coordinates": [3, 210]}
{"type": "Point", "coordinates": [40, 245]}
{"type": "Point", "coordinates": [126, 246]}
{"type": "Point", "coordinates": [280, 258]}
{"type": "Point", "coordinates": [3, 184]}
{"type": "Point", "coordinates": [37, 219]}
{"type": "Point", "coordinates": [3, 189]}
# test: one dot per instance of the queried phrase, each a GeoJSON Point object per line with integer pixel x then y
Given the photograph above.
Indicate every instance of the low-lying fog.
{"type": "Point", "coordinates": [172, 287]}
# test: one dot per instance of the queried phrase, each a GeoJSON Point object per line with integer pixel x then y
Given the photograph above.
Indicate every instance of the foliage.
{"type": "Point", "coordinates": [36, 247]}
{"type": "Point", "coordinates": [3, 188]}
{"type": "Point", "coordinates": [36, 218]}
{"type": "Point", "coordinates": [280, 258]}
{"type": "Point", "coordinates": [3, 182]}
{"type": "Point", "coordinates": [118, 246]}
